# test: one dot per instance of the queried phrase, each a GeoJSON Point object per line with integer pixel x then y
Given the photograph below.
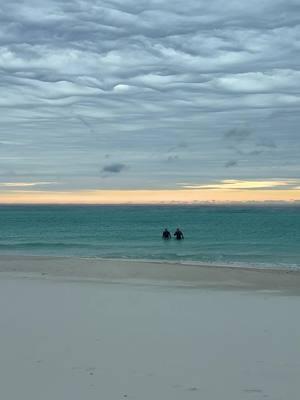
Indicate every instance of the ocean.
{"type": "Point", "coordinates": [248, 236]}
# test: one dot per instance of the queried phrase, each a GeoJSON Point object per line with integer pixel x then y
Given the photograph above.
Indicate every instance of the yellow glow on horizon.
{"type": "Point", "coordinates": [146, 196]}
{"type": "Point", "coordinates": [239, 184]}
{"type": "Point", "coordinates": [24, 184]}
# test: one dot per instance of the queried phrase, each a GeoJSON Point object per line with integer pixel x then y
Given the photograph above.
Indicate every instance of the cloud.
{"type": "Point", "coordinates": [253, 152]}
{"type": "Point", "coordinates": [233, 184]}
{"type": "Point", "coordinates": [231, 163]}
{"type": "Point", "coordinates": [10, 143]}
{"type": "Point", "coordinates": [114, 168]}
{"type": "Point", "coordinates": [182, 145]}
{"type": "Point", "coordinates": [267, 142]}
{"type": "Point", "coordinates": [85, 123]}
{"type": "Point", "coordinates": [25, 184]}
{"type": "Point", "coordinates": [238, 134]}
{"type": "Point", "coordinates": [81, 79]}
{"type": "Point", "coordinates": [173, 158]}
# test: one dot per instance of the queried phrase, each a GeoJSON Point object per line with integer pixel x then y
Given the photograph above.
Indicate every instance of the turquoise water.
{"type": "Point", "coordinates": [228, 235]}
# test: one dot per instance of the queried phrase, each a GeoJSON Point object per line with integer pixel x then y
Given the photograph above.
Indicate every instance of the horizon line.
{"type": "Point", "coordinates": [173, 203]}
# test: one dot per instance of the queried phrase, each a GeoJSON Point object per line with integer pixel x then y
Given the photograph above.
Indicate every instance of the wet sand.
{"type": "Point", "coordinates": [138, 272]}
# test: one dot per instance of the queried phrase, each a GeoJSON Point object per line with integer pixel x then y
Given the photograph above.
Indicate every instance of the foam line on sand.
{"type": "Point", "coordinates": [151, 273]}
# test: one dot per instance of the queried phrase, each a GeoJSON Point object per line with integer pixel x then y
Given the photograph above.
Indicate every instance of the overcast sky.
{"type": "Point", "coordinates": [148, 94]}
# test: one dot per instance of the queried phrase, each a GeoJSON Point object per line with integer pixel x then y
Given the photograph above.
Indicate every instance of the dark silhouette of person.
{"type": "Point", "coordinates": [166, 234]}
{"type": "Point", "coordinates": [178, 234]}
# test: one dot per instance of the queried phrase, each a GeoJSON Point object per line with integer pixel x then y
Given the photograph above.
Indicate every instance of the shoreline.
{"type": "Point", "coordinates": [196, 263]}
{"type": "Point", "coordinates": [188, 263]}
{"type": "Point", "coordinates": [154, 273]}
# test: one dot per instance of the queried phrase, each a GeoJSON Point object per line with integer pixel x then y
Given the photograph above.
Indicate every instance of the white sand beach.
{"type": "Point", "coordinates": [92, 329]}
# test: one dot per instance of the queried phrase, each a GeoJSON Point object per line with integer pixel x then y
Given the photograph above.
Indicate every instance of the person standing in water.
{"type": "Point", "coordinates": [166, 234]}
{"type": "Point", "coordinates": [178, 234]}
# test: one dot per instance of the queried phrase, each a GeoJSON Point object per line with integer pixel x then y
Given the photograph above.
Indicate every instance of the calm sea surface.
{"type": "Point", "coordinates": [230, 235]}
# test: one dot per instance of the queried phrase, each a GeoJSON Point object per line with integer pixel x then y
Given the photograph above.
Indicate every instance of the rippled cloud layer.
{"type": "Point", "coordinates": [148, 94]}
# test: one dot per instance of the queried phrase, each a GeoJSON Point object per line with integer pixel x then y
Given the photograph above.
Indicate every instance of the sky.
{"type": "Point", "coordinates": [149, 101]}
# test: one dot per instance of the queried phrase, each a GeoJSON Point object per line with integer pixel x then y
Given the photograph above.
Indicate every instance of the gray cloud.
{"type": "Point", "coordinates": [114, 168]}
{"type": "Point", "coordinates": [249, 153]}
{"type": "Point", "coordinates": [238, 134]}
{"type": "Point", "coordinates": [173, 158]}
{"type": "Point", "coordinates": [82, 79]}
{"type": "Point", "coordinates": [86, 124]}
{"type": "Point", "coordinates": [231, 163]}
{"type": "Point", "coordinates": [267, 142]}
{"type": "Point", "coordinates": [182, 145]}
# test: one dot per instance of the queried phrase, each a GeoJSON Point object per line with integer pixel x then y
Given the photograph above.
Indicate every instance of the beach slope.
{"type": "Point", "coordinates": [167, 332]}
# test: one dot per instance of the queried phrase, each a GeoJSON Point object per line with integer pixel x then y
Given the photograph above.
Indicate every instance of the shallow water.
{"type": "Point", "coordinates": [260, 236]}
